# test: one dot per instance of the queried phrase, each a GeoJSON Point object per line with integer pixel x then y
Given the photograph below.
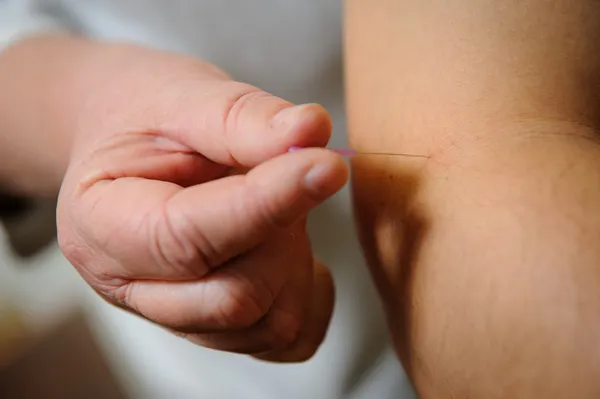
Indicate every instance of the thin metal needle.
{"type": "Point", "coordinates": [391, 154]}
{"type": "Point", "coordinates": [347, 152]}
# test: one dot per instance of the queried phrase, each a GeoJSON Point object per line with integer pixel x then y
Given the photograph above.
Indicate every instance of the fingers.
{"type": "Point", "coordinates": [234, 297]}
{"type": "Point", "coordinates": [315, 325]}
{"type": "Point", "coordinates": [242, 306]}
{"type": "Point", "coordinates": [156, 230]}
{"type": "Point", "coordinates": [279, 327]}
{"type": "Point", "coordinates": [283, 318]}
{"type": "Point", "coordinates": [294, 328]}
{"type": "Point", "coordinates": [236, 124]}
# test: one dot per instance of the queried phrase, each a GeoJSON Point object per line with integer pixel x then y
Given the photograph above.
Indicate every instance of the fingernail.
{"type": "Point", "coordinates": [288, 116]}
{"type": "Point", "coordinates": [319, 181]}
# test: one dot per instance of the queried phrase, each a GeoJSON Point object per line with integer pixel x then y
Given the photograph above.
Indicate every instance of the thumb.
{"type": "Point", "coordinates": [236, 124]}
{"type": "Point", "coordinates": [227, 217]}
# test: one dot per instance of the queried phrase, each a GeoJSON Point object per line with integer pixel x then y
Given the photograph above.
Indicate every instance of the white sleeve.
{"type": "Point", "coordinates": [22, 18]}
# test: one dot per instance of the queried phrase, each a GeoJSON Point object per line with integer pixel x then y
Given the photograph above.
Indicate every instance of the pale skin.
{"type": "Point", "coordinates": [485, 253]}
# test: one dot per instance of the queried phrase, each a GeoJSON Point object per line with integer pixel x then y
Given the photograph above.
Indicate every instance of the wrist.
{"type": "Point", "coordinates": [44, 81]}
{"type": "Point", "coordinates": [49, 82]}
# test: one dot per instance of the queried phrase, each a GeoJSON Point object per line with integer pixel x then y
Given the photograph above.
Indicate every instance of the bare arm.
{"type": "Point", "coordinates": [486, 254]}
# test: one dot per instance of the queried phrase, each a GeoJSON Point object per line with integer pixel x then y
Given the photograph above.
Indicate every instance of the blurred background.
{"type": "Point", "coordinates": [46, 346]}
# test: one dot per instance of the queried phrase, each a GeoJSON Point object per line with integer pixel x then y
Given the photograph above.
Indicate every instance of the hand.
{"type": "Point", "coordinates": [156, 217]}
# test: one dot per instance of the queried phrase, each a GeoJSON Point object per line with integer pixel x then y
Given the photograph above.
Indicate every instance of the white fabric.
{"type": "Point", "coordinates": [291, 48]}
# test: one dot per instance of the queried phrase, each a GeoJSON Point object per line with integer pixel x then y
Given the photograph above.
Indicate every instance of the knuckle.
{"type": "Point", "coordinates": [244, 303]}
{"type": "Point", "coordinates": [201, 251]}
{"type": "Point", "coordinates": [285, 327]}
{"type": "Point", "coordinates": [242, 96]}
{"type": "Point", "coordinates": [123, 296]}
{"type": "Point", "coordinates": [170, 247]}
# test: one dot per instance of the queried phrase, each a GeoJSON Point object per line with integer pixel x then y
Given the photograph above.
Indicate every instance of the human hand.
{"type": "Point", "coordinates": [156, 217]}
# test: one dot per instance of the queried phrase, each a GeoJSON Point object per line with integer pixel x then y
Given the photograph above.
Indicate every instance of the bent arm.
{"type": "Point", "coordinates": [486, 253]}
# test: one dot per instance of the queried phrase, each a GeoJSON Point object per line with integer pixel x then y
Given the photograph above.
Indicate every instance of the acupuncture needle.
{"type": "Point", "coordinates": [347, 152]}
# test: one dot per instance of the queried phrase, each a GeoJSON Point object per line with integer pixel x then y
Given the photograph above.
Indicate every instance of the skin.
{"type": "Point", "coordinates": [486, 252]}
{"type": "Point", "coordinates": [149, 150]}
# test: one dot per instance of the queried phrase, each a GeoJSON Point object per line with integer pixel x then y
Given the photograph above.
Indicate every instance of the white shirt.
{"type": "Point", "coordinates": [291, 48]}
